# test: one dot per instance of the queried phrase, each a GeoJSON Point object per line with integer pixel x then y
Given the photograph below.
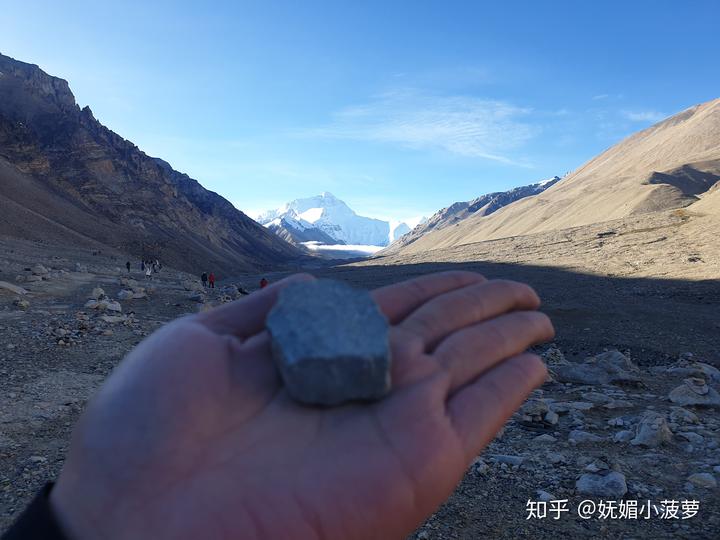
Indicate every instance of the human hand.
{"type": "Point", "coordinates": [193, 435]}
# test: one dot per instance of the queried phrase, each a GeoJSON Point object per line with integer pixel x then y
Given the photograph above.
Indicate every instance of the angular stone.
{"type": "Point", "coordinates": [39, 270]}
{"type": "Point", "coordinates": [652, 431]}
{"type": "Point", "coordinates": [577, 436]}
{"type": "Point", "coordinates": [688, 393]}
{"type": "Point", "coordinates": [607, 367]}
{"type": "Point", "coordinates": [551, 417]}
{"type": "Point", "coordinates": [703, 480]}
{"type": "Point", "coordinates": [611, 484]}
{"type": "Point", "coordinates": [534, 407]}
{"type": "Point", "coordinates": [125, 294]}
{"type": "Point", "coordinates": [97, 293]}
{"type": "Point", "coordinates": [330, 343]}
{"type": "Point", "coordinates": [623, 436]}
{"type": "Point", "coordinates": [679, 415]}
{"type": "Point", "coordinates": [515, 461]}
{"type": "Point", "coordinates": [21, 304]}
{"type": "Point", "coordinates": [544, 496]}
{"type": "Point", "coordinates": [12, 288]}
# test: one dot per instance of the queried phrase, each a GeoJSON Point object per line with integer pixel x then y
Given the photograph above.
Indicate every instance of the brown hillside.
{"type": "Point", "coordinates": [68, 179]}
{"type": "Point", "coordinates": [669, 165]}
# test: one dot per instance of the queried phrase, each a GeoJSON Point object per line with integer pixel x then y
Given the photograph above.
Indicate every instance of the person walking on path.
{"type": "Point", "coordinates": [127, 265]}
{"type": "Point", "coordinates": [263, 283]}
{"type": "Point", "coordinates": [211, 280]}
{"type": "Point", "coordinates": [204, 278]}
{"type": "Point", "coordinates": [148, 272]}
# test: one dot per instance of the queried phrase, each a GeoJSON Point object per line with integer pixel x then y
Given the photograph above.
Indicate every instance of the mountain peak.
{"type": "Point", "coordinates": [327, 216]}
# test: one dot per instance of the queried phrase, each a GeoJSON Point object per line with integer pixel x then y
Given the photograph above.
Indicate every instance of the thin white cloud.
{"type": "Point", "coordinates": [644, 116]}
{"type": "Point", "coordinates": [600, 96]}
{"type": "Point", "coordinates": [461, 125]}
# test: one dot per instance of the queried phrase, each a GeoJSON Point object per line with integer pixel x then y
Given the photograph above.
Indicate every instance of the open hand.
{"type": "Point", "coordinates": [193, 435]}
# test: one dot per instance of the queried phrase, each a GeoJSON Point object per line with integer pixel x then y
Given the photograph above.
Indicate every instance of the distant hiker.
{"type": "Point", "coordinates": [211, 280]}
{"type": "Point", "coordinates": [263, 283]}
{"type": "Point", "coordinates": [204, 278]}
{"type": "Point", "coordinates": [127, 265]}
{"type": "Point", "coordinates": [148, 272]}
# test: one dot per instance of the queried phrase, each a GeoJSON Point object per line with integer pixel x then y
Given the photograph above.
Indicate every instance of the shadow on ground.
{"type": "Point", "coordinates": [653, 317]}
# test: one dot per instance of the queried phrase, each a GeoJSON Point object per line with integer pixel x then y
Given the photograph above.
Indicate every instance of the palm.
{"type": "Point", "coordinates": [231, 455]}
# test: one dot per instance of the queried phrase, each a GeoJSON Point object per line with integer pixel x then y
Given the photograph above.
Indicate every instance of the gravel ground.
{"type": "Point", "coordinates": [54, 353]}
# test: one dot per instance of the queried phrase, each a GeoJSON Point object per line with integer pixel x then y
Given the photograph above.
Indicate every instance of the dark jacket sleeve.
{"type": "Point", "coordinates": [37, 521]}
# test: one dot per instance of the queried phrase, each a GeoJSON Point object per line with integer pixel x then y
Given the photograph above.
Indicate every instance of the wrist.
{"type": "Point", "coordinates": [72, 517]}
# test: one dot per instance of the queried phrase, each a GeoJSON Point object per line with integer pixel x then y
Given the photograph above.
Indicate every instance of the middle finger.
{"type": "Point", "coordinates": [463, 307]}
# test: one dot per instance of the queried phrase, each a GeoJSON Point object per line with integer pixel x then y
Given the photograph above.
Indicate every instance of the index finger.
{"type": "Point", "coordinates": [397, 301]}
{"type": "Point", "coordinates": [246, 317]}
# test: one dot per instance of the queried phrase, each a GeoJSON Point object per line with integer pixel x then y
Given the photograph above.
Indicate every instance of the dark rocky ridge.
{"type": "Point", "coordinates": [480, 206]}
{"type": "Point", "coordinates": [67, 178]}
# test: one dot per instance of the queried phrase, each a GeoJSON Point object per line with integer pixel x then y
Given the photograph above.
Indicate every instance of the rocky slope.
{"type": "Point", "coordinates": [481, 206]}
{"type": "Point", "coordinates": [67, 178]}
{"type": "Point", "coordinates": [669, 165]}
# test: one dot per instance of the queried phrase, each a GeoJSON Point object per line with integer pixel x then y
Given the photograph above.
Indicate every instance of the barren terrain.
{"type": "Point", "coordinates": [647, 287]}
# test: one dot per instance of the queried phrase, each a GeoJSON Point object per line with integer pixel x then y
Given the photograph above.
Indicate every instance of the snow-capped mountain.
{"type": "Point", "coordinates": [326, 219]}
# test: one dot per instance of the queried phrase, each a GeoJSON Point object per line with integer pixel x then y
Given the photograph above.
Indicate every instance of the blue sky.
{"type": "Point", "coordinates": [399, 108]}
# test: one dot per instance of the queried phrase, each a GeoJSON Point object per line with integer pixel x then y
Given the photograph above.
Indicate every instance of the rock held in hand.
{"type": "Point", "coordinates": [330, 343]}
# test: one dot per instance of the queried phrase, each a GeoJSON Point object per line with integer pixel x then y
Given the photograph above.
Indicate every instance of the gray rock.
{"type": "Point", "coordinates": [534, 407]}
{"type": "Point", "coordinates": [105, 304]}
{"type": "Point", "coordinates": [679, 415]}
{"type": "Point", "coordinates": [125, 294]}
{"type": "Point", "coordinates": [551, 417]}
{"type": "Point", "coordinates": [596, 397]}
{"type": "Point", "coordinates": [583, 437]}
{"type": "Point", "coordinates": [545, 496]}
{"type": "Point", "coordinates": [694, 438]}
{"type": "Point", "coordinates": [81, 268]}
{"type": "Point", "coordinates": [508, 460]}
{"type": "Point", "coordinates": [12, 288]}
{"type": "Point", "coordinates": [554, 357]}
{"type": "Point", "coordinates": [555, 457]}
{"type": "Point", "coordinates": [330, 343]}
{"type": "Point", "coordinates": [479, 466]}
{"type": "Point", "coordinates": [97, 293]}
{"type": "Point", "coordinates": [604, 484]}
{"type": "Point", "coordinates": [618, 404]}
{"type": "Point", "coordinates": [39, 270]}
{"type": "Point", "coordinates": [197, 296]}
{"type": "Point", "coordinates": [689, 368]}
{"type": "Point", "coordinates": [608, 367]}
{"type": "Point", "coordinates": [695, 391]}
{"type": "Point", "coordinates": [623, 436]}
{"type": "Point", "coordinates": [652, 431]}
{"type": "Point", "coordinates": [21, 304]}
{"type": "Point", "coordinates": [703, 480]}
{"type": "Point", "coordinates": [545, 438]}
